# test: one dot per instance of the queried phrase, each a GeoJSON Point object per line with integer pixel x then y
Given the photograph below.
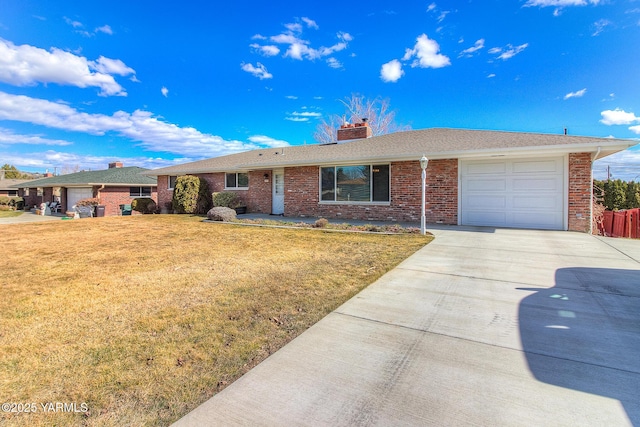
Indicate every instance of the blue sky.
{"type": "Point", "coordinates": [153, 84]}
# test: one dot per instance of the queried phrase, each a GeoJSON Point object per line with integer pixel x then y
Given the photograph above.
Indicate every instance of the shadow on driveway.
{"type": "Point", "coordinates": [584, 334]}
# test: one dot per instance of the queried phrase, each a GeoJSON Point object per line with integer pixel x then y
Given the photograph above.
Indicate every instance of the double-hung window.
{"type": "Point", "coordinates": [360, 183]}
{"type": "Point", "coordinates": [139, 191]}
{"type": "Point", "coordinates": [236, 180]}
{"type": "Point", "coordinates": [172, 182]}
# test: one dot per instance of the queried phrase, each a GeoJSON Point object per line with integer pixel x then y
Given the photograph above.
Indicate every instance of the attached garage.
{"type": "Point", "coordinates": [76, 194]}
{"type": "Point", "coordinates": [520, 193]}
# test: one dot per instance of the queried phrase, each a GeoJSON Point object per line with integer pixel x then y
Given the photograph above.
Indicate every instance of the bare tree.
{"type": "Point", "coordinates": [66, 169]}
{"type": "Point", "coordinates": [380, 118]}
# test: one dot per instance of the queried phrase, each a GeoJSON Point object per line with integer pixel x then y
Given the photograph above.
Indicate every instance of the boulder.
{"type": "Point", "coordinates": [220, 213]}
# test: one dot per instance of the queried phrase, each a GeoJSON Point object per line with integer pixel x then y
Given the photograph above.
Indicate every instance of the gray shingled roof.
{"type": "Point", "coordinates": [434, 143]}
{"type": "Point", "coordinates": [11, 184]}
{"type": "Point", "coordinates": [129, 176]}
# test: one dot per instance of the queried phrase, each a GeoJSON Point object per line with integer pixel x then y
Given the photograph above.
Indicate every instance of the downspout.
{"type": "Point", "coordinates": [593, 160]}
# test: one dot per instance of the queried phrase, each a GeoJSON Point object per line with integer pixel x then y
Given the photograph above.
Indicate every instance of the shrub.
{"type": "Point", "coordinates": [12, 201]}
{"type": "Point", "coordinates": [88, 202]}
{"type": "Point", "coordinates": [144, 205]}
{"type": "Point", "coordinates": [321, 223]}
{"type": "Point", "coordinates": [221, 213]}
{"type": "Point", "coordinates": [191, 195]}
{"type": "Point", "coordinates": [227, 199]}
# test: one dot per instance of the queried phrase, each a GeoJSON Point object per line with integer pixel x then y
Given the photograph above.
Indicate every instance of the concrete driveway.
{"type": "Point", "coordinates": [481, 327]}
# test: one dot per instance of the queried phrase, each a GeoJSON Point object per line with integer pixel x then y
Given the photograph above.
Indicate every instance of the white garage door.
{"type": "Point", "coordinates": [521, 193]}
{"type": "Point", "coordinates": [75, 194]}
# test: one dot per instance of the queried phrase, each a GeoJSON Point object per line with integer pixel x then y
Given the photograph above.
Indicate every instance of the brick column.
{"type": "Point", "coordinates": [580, 192]}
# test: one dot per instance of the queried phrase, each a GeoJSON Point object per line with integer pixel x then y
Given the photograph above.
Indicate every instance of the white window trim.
{"type": "Point", "coordinates": [140, 196]}
{"type": "Point", "coordinates": [169, 187]}
{"type": "Point", "coordinates": [347, 202]}
{"type": "Point", "coordinates": [235, 188]}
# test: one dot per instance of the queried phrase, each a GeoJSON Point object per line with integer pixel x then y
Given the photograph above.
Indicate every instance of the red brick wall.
{"type": "Point", "coordinates": [113, 197]}
{"type": "Point", "coordinates": [580, 190]}
{"type": "Point", "coordinates": [257, 197]}
{"type": "Point", "coordinates": [302, 193]}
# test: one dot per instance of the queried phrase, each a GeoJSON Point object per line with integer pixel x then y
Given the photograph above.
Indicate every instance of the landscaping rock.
{"type": "Point", "coordinates": [221, 214]}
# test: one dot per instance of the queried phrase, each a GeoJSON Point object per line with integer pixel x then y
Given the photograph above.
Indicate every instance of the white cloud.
{"type": "Point", "coordinates": [291, 97]}
{"type": "Point", "coordinates": [266, 141]}
{"type": "Point", "coordinates": [299, 48]}
{"type": "Point", "coordinates": [599, 26]}
{"type": "Point", "coordinates": [490, 76]}
{"type": "Point", "coordinates": [27, 65]}
{"type": "Point", "coordinates": [111, 66]}
{"type": "Point", "coordinates": [334, 63]}
{"type": "Point", "coordinates": [260, 71]}
{"type": "Point", "coordinates": [141, 126]}
{"type": "Point", "coordinates": [560, 3]}
{"type": "Point", "coordinates": [51, 159]}
{"type": "Point", "coordinates": [576, 94]}
{"type": "Point", "coordinates": [164, 91]}
{"type": "Point", "coordinates": [9, 137]}
{"type": "Point", "coordinates": [310, 23]}
{"type": "Point", "coordinates": [431, 7]}
{"type": "Point", "coordinates": [635, 129]}
{"type": "Point", "coordinates": [268, 50]}
{"type": "Point", "coordinates": [426, 51]}
{"type": "Point", "coordinates": [104, 29]}
{"type": "Point", "coordinates": [479, 44]}
{"type": "Point", "coordinates": [618, 117]}
{"type": "Point", "coordinates": [508, 52]}
{"type": "Point", "coordinates": [391, 71]}
{"type": "Point", "coordinates": [74, 24]}
{"type": "Point", "coordinates": [305, 116]}
{"type": "Point", "coordinates": [623, 165]}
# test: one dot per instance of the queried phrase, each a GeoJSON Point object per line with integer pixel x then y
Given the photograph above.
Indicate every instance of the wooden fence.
{"type": "Point", "coordinates": [621, 224]}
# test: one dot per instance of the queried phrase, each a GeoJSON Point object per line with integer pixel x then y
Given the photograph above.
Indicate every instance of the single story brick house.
{"type": "Point", "coordinates": [115, 186]}
{"type": "Point", "coordinates": [474, 177]}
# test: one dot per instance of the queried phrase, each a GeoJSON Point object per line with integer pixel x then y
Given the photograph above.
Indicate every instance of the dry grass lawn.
{"type": "Point", "coordinates": [143, 318]}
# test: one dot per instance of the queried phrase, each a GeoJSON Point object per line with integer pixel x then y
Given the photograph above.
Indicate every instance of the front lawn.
{"type": "Point", "coordinates": [143, 318]}
{"type": "Point", "coordinates": [9, 214]}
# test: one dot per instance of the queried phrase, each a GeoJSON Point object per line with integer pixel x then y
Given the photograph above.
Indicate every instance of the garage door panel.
{"type": "Point", "coordinates": [525, 219]}
{"type": "Point", "coordinates": [522, 193]}
{"type": "Point", "coordinates": [482, 218]}
{"type": "Point", "coordinates": [537, 203]}
{"type": "Point", "coordinates": [489, 202]}
{"type": "Point", "coordinates": [551, 184]}
{"type": "Point", "coordinates": [487, 168]}
{"type": "Point", "coordinates": [536, 166]}
{"type": "Point", "coordinates": [490, 185]}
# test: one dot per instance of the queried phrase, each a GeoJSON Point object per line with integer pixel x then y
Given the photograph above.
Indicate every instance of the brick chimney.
{"type": "Point", "coordinates": [355, 131]}
{"type": "Point", "coordinates": [113, 165]}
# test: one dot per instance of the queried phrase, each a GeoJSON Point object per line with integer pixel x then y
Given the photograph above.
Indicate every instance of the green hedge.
{"type": "Point", "coordinates": [227, 199]}
{"type": "Point", "coordinates": [144, 205]}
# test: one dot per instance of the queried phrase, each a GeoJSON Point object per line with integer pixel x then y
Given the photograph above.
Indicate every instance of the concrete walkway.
{"type": "Point", "coordinates": [481, 327]}
{"type": "Point", "coordinates": [27, 217]}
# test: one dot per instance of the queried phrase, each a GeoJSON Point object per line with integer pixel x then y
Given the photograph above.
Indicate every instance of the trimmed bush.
{"type": "Point", "coordinates": [227, 199]}
{"type": "Point", "coordinates": [221, 213]}
{"type": "Point", "coordinates": [321, 223]}
{"type": "Point", "coordinates": [191, 195]}
{"type": "Point", "coordinates": [12, 202]}
{"type": "Point", "coordinates": [144, 205]}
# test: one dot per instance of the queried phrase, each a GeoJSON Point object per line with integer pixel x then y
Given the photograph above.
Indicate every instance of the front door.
{"type": "Point", "coordinates": [277, 207]}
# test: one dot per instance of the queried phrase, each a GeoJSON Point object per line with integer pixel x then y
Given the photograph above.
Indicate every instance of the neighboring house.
{"type": "Point", "coordinates": [500, 179]}
{"type": "Point", "coordinates": [112, 187]}
{"type": "Point", "coordinates": [8, 187]}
